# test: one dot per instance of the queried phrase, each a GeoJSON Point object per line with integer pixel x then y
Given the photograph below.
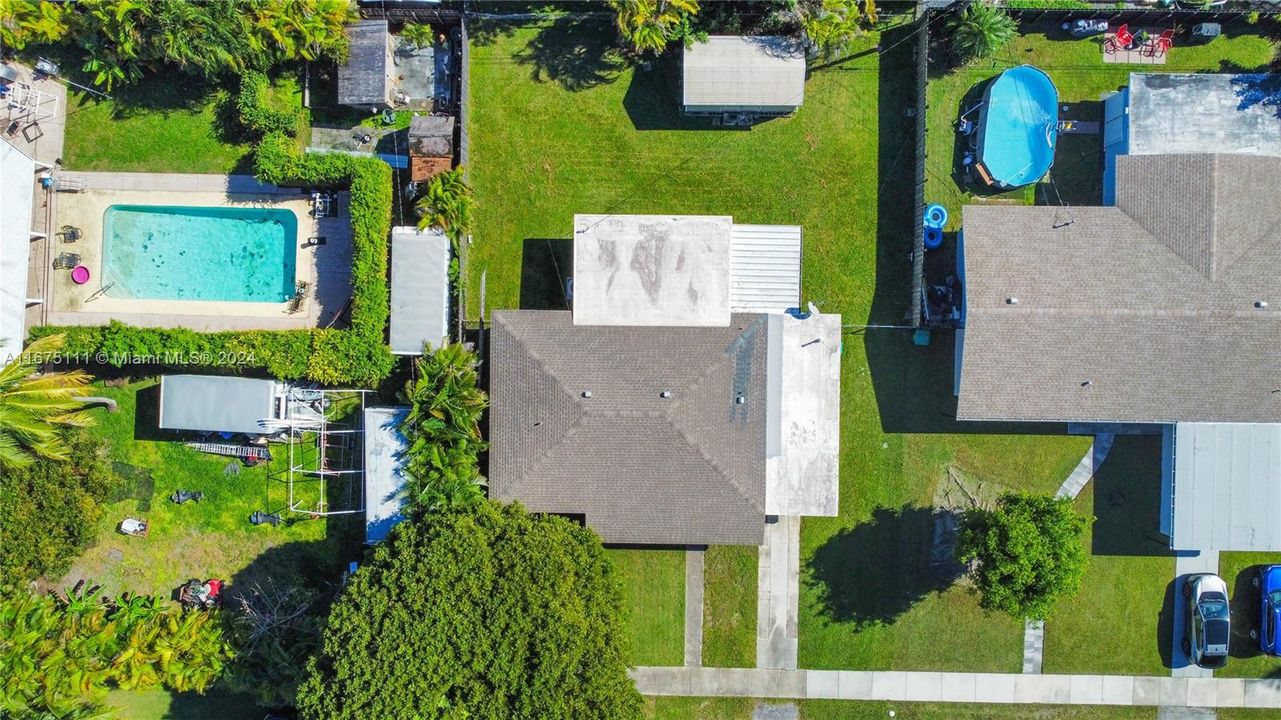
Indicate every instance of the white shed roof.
{"type": "Point", "coordinates": [419, 289]}
{"type": "Point", "coordinates": [17, 188]}
{"type": "Point", "coordinates": [385, 476]}
{"type": "Point", "coordinates": [739, 72]}
{"type": "Point", "coordinates": [209, 403]}
{"type": "Point", "coordinates": [1227, 486]}
{"type": "Point", "coordinates": [765, 268]}
{"type": "Point", "coordinates": [803, 415]}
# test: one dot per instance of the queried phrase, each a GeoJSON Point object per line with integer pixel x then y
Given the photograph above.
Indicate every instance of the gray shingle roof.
{"type": "Point", "coordinates": [1144, 312]}
{"type": "Point", "coordinates": [643, 469]}
{"type": "Point", "coordinates": [364, 79]}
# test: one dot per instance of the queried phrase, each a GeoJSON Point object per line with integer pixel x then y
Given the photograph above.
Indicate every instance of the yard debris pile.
{"type": "Point", "coordinates": [957, 493]}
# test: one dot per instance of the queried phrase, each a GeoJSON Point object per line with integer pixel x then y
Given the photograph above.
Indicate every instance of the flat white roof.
{"type": "Point", "coordinates": [17, 190]}
{"type": "Point", "coordinates": [1227, 487]}
{"type": "Point", "coordinates": [419, 289]}
{"type": "Point", "coordinates": [738, 72]}
{"type": "Point", "coordinates": [209, 403]}
{"type": "Point", "coordinates": [385, 476]}
{"type": "Point", "coordinates": [765, 268]}
{"type": "Point", "coordinates": [1174, 113]}
{"type": "Point", "coordinates": [652, 270]}
{"type": "Point", "coordinates": [803, 418]}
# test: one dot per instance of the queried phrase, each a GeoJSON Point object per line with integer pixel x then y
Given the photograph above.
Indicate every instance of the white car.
{"type": "Point", "coordinates": [1208, 627]}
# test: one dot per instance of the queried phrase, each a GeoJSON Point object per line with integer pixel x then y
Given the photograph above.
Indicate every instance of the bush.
{"type": "Point", "coordinates": [358, 356]}
{"type": "Point", "coordinates": [443, 429]}
{"type": "Point", "coordinates": [1029, 552]}
{"type": "Point", "coordinates": [257, 112]}
{"type": "Point", "coordinates": [49, 511]}
{"type": "Point", "coordinates": [980, 30]}
{"type": "Point", "coordinates": [489, 614]}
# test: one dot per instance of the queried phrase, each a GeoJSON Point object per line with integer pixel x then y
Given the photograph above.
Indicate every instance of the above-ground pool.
{"type": "Point", "coordinates": [1018, 126]}
{"type": "Point", "coordinates": [158, 252]}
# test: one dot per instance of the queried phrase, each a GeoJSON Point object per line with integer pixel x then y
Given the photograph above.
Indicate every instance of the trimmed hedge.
{"type": "Point", "coordinates": [356, 356]}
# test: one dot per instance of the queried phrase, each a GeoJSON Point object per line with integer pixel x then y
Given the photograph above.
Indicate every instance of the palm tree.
{"type": "Point", "coordinates": [447, 204]}
{"type": "Point", "coordinates": [980, 30]}
{"type": "Point", "coordinates": [33, 406]}
{"type": "Point", "coordinates": [649, 24]}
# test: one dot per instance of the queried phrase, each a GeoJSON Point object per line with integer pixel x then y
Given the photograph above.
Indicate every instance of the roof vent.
{"type": "Point", "coordinates": [740, 399]}
{"type": "Point", "coordinates": [1011, 300]}
{"type": "Point", "coordinates": [1261, 304]}
{"type": "Point", "coordinates": [665, 394]}
{"type": "Point", "coordinates": [587, 393]}
{"type": "Point", "coordinates": [1086, 383]}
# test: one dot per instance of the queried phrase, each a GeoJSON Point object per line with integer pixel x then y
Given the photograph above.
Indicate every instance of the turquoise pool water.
{"type": "Point", "coordinates": [1018, 126]}
{"type": "Point", "coordinates": [158, 252]}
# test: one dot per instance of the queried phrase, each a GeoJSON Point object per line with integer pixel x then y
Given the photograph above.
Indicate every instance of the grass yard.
{"type": "Point", "coordinates": [1238, 569]}
{"type": "Point", "coordinates": [159, 125]}
{"type": "Point", "coordinates": [1125, 601]}
{"type": "Point", "coordinates": [610, 139]}
{"type": "Point", "coordinates": [1077, 69]}
{"type": "Point", "coordinates": [654, 597]}
{"type": "Point", "coordinates": [165, 705]}
{"type": "Point", "coordinates": [729, 606]}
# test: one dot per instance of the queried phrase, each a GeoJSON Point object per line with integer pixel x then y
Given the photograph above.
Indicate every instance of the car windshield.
{"type": "Point", "coordinates": [1275, 598]}
{"type": "Point", "coordinates": [1214, 609]}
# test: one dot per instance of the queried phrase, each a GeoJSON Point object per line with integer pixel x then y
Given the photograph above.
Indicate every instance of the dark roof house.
{"type": "Point", "coordinates": [365, 80]}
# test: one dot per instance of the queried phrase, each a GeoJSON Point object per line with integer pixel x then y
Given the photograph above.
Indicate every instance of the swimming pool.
{"type": "Point", "coordinates": [1018, 126]}
{"type": "Point", "coordinates": [158, 252]}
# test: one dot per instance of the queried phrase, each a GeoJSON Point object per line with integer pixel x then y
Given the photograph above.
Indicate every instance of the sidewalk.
{"type": "Point", "coordinates": [960, 687]}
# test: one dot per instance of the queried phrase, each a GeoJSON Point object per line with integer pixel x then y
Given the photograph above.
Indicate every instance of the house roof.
{"type": "Point", "coordinates": [385, 475]}
{"type": "Point", "coordinates": [1204, 112]}
{"type": "Point", "coordinates": [1142, 312]}
{"type": "Point", "coordinates": [1226, 494]}
{"type": "Point", "coordinates": [419, 289]}
{"type": "Point", "coordinates": [740, 72]}
{"type": "Point", "coordinates": [17, 187]}
{"type": "Point", "coordinates": [364, 79]}
{"type": "Point", "coordinates": [209, 403]}
{"type": "Point", "coordinates": [432, 135]}
{"type": "Point", "coordinates": [640, 468]}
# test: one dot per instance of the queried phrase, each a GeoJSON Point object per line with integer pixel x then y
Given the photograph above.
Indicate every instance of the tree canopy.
{"type": "Point", "coordinates": [35, 406]}
{"type": "Point", "coordinates": [492, 613]}
{"type": "Point", "coordinates": [1028, 551]}
{"type": "Point", "coordinates": [980, 30]}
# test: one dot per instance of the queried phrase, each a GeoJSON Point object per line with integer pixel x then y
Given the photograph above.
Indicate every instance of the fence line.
{"type": "Point", "coordinates": [922, 58]}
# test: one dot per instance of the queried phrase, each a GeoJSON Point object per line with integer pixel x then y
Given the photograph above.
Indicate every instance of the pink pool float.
{"type": "Point", "coordinates": [80, 274]}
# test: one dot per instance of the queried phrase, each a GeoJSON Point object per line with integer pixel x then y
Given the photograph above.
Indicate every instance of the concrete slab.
{"type": "Point", "coordinates": [663, 680]}
{"type": "Point", "coordinates": [957, 687]}
{"type": "Point", "coordinates": [1202, 692]}
{"type": "Point", "coordinates": [823, 683]}
{"type": "Point", "coordinates": [778, 587]}
{"type": "Point", "coordinates": [923, 687]}
{"type": "Point", "coordinates": [694, 607]}
{"type": "Point", "coordinates": [1230, 692]}
{"type": "Point", "coordinates": [891, 685]}
{"type": "Point", "coordinates": [1086, 689]}
{"type": "Point", "coordinates": [1118, 690]}
{"type": "Point", "coordinates": [994, 688]}
{"type": "Point", "coordinates": [854, 684]}
{"type": "Point", "coordinates": [1262, 693]}
{"type": "Point", "coordinates": [1051, 689]}
{"type": "Point", "coordinates": [1147, 690]}
{"type": "Point", "coordinates": [776, 711]}
{"type": "Point", "coordinates": [1173, 691]}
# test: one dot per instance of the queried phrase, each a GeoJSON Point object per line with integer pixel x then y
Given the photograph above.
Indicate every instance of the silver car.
{"type": "Point", "coordinates": [1205, 637]}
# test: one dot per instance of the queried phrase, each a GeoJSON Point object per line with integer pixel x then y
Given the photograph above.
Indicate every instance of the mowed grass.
{"type": "Point", "coordinates": [1238, 570]}
{"type": "Point", "coordinates": [162, 705]}
{"type": "Point", "coordinates": [729, 606]}
{"type": "Point", "coordinates": [1078, 71]}
{"type": "Point", "coordinates": [654, 599]}
{"type": "Point", "coordinates": [609, 139]}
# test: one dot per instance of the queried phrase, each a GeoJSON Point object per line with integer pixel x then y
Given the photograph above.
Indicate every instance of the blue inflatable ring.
{"type": "Point", "coordinates": [935, 216]}
{"type": "Point", "coordinates": [933, 238]}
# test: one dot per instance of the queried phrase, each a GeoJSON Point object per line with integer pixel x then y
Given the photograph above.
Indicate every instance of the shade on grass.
{"type": "Point", "coordinates": [1245, 659]}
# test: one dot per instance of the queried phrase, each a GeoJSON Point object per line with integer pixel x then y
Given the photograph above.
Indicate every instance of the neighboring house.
{"type": "Point", "coordinates": [1159, 310]}
{"type": "Point", "coordinates": [419, 289]}
{"type": "Point", "coordinates": [384, 470]}
{"type": "Point", "coordinates": [365, 81]}
{"type": "Point", "coordinates": [17, 187]}
{"type": "Point", "coordinates": [660, 411]}
{"type": "Point", "coordinates": [741, 74]}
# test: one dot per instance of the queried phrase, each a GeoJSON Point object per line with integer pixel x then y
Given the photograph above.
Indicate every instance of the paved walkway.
{"type": "Point", "coordinates": [693, 608]}
{"type": "Point", "coordinates": [778, 587]}
{"type": "Point", "coordinates": [960, 687]}
{"type": "Point", "coordinates": [1085, 469]}
{"type": "Point", "coordinates": [1033, 646]}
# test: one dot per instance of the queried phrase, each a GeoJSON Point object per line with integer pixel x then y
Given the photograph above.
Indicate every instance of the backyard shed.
{"type": "Point", "coordinates": [385, 474]}
{"type": "Point", "coordinates": [209, 403]}
{"type": "Point", "coordinates": [736, 73]}
{"type": "Point", "coordinates": [431, 145]}
{"type": "Point", "coordinates": [419, 289]}
{"type": "Point", "coordinates": [365, 80]}
{"type": "Point", "coordinates": [17, 187]}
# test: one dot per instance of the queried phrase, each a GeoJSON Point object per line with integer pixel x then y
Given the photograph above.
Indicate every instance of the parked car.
{"type": "Point", "coordinates": [1268, 581]}
{"type": "Point", "coordinates": [1208, 628]}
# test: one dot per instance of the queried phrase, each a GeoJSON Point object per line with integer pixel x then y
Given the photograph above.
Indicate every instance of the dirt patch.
{"type": "Point", "coordinates": [956, 493]}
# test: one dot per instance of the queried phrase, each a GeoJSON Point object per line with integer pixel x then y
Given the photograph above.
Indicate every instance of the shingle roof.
{"type": "Point", "coordinates": [1144, 312]}
{"type": "Point", "coordinates": [643, 469]}
{"type": "Point", "coordinates": [364, 78]}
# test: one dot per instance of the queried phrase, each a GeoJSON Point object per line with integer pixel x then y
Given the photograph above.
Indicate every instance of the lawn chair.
{"type": "Point", "coordinates": [134, 526]}
{"type": "Point", "coordinates": [264, 518]}
{"type": "Point", "coordinates": [66, 261]}
{"type": "Point", "coordinates": [1160, 45]}
{"type": "Point", "coordinates": [70, 233]}
{"type": "Point", "coordinates": [196, 595]}
{"type": "Point", "coordinates": [183, 496]}
{"type": "Point", "coordinates": [1120, 41]}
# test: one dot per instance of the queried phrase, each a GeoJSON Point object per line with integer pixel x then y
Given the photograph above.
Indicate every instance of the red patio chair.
{"type": "Point", "coordinates": [1119, 41]}
{"type": "Point", "coordinates": [1160, 45]}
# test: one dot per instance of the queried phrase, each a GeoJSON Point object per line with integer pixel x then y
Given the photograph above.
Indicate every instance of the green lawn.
{"type": "Point", "coordinates": [610, 139]}
{"type": "Point", "coordinates": [164, 705]}
{"type": "Point", "coordinates": [654, 597]}
{"type": "Point", "coordinates": [1238, 570]}
{"type": "Point", "coordinates": [162, 125]}
{"type": "Point", "coordinates": [729, 606]}
{"type": "Point", "coordinates": [1122, 604]}
{"type": "Point", "coordinates": [1077, 69]}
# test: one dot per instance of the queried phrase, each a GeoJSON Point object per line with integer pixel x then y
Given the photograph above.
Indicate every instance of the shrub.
{"type": "Point", "coordinates": [49, 511]}
{"type": "Point", "coordinates": [257, 112]}
{"type": "Point", "coordinates": [443, 429]}
{"type": "Point", "coordinates": [489, 615]}
{"type": "Point", "coordinates": [447, 205]}
{"type": "Point", "coordinates": [1029, 553]}
{"type": "Point", "coordinates": [980, 30]}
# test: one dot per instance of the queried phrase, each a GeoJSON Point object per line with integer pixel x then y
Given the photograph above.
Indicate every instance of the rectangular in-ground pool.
{"type": "Point", "coordinates": [156, 252]}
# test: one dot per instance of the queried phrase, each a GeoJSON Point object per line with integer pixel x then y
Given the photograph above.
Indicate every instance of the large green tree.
{"type": "Point", "coordinates": [447, 204]}
{"type": "Point", "coordinates": [1027, 553]}
{"type": "Point", "coordinates": [35, 406]}
{"type": "Point", "coordinates": [649, 25]}
{"type": "Point", "coordinates": [980, 30]}
{"type": "Point", "coordinates": [492, 614]}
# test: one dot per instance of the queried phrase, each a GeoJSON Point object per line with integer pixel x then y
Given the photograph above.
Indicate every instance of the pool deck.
{"type": "Point", "coordinates": [326, 267]}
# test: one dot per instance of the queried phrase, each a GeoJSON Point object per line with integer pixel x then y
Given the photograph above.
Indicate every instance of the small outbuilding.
{"type": "Point", "coordinates": [385, 474]}
{"type": "Point", "coordinates": [742, 74]}
{"type": "Point", "coordinates": [17, 187]}
{"type": "Point", "coordinates": [431, 146]}
{"type": "Point", "coordinates": [210, 403]}
{"type": "Point", "coordinates": [365, 81]}
{"type": "Point", "coordinates": [419, 289]}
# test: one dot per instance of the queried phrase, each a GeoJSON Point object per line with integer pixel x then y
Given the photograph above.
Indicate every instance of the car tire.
{"type": "Point", "coordinates": [1254, 634]}
{"type": "Point", "coordinates": [1187, 589]}
{"type": "Point", "coordinates": [1257, 579]}
{"type": "Point", "coordinates": [1187, 648]}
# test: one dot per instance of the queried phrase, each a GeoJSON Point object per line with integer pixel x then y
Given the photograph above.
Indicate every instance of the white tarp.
{"type": "Point", "coordinates": [17, 191]}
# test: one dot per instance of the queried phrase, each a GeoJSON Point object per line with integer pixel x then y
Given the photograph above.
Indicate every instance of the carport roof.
{"type": "Point", "coordinates": [1227, 487]}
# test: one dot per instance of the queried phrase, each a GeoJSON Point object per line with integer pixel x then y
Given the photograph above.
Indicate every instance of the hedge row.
{"type": "Point", "coordinates": [356, 356]}
{"type": "Point", "coordinates": [257, 112]}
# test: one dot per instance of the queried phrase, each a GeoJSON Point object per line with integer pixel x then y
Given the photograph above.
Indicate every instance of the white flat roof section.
{"type": "Point", "coordinates": [765, 268]}
{"type": "Point", "coordinates": [385, 476]}
{"type": "Point", "coordinates": [731, 73]}
{"type": "Point", "coordinates": [803, 438]}
{"type": "Point", "coordinates": [1227, 487]}
{"type": "Point", "coordinates": [1173, 114]}
{"type": "Point", "coordinates": [17, 192]}
{"type": "Point", "coordinates": [419, 289]}
{"type": "Point", "coordinates": [208, 403]}
{"type": "Point", "coordinates": [652, 270]}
